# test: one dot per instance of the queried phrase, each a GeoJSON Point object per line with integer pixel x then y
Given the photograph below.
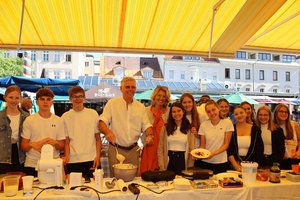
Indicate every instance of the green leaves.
{"type": "Point", "coordinates": [11, 66]}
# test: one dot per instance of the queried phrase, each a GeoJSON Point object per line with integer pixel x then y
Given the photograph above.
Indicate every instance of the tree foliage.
{"type": "Point", "coordinates": [11, 66]}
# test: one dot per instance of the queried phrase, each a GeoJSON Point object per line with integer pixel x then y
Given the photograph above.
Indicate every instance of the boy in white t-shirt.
{"type": "Point", "coordinates": [83, 144]}
{"type": "Point", "coordinates": [41, 128]}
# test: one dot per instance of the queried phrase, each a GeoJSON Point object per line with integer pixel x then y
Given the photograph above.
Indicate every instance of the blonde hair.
{"type": "Point", "coordinates": [127, 78]}
{"type": "Point", "coordinates": [212, 102]}
{"type": "Point", "coordinates": [157, 90]}
{"type": "Point", "coordinates": [271, 125]}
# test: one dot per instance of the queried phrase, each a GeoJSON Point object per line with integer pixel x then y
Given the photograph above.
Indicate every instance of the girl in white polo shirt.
{"type": "Point", "coordinates": [215, 135]}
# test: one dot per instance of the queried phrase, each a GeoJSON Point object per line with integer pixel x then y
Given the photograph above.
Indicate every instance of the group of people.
{"type": "Point", "coordinates": [169, 133]}
{"type": "Point", "coordinates": [22, 135]}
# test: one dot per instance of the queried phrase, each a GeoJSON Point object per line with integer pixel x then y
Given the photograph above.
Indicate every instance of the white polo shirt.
{"type": "Point", "coordinates": [126, 123]}
{"type": "Point", "coordinates": [214, 136]}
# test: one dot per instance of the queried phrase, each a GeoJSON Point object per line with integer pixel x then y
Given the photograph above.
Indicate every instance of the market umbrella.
{"type": "Point", "coordinates": [296, 101]}
{"type": "Point", "coordinates": [59, 87]}
{"type": "Point", "coordinates": [283, 101]}
{"type": "Point", "coordinates": [146, 95]}
{"type": "Point", "coordinates": [102, 92]}
{"type": "Point", "coordinates": [237, 98]}
{"type": "Point", "coordinates": [265, 101]}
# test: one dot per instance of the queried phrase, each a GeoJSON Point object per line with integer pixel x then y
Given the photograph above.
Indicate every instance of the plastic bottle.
{"type": "Point", "coordinates": [275, 173]}
{"type": "Point", "coordinates": [98, 176]}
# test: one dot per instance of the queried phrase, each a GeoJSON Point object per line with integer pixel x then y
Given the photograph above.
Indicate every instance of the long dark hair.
{"type": "Point", "coordinates": [252, 116]}
{"type": "Point", "coordinates": [171, 125]}
{"type": "Point", "coordinates": [194, 112]}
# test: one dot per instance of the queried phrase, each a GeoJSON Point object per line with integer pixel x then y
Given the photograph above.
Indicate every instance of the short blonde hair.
{"type": "Point", "coordinates": [157, 90]}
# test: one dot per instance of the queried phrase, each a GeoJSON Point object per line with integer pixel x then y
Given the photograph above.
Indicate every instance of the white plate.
{"type": "Point", "coordinates": [223, 175]}
{"type": "Point", "coordinates": [200, 153]}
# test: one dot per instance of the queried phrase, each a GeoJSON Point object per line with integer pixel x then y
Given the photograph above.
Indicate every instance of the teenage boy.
{"type": "Point", "coordinates": [83, 144]}
{"type": "Point", "coordinates": [42, 128]}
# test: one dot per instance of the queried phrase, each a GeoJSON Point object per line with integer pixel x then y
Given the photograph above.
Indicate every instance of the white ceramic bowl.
{"type": "Point", "coordinates": [127, 172]}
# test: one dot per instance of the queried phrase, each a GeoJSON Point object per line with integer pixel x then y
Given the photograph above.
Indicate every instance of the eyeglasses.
{"type": "Point", "coordinates": [77, 97]}
{"type": "Point", "coordinates": [283, 112]}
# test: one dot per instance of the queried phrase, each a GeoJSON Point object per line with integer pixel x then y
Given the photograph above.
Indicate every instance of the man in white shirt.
{"type": "Point", "coordinates": [83, 143]}
{"type": "Point", "coordinates": [126, 118]}
{"type": "Point", "coordinates": [201, 108]}
{"type": "Point", "coordinates": [41, 128]}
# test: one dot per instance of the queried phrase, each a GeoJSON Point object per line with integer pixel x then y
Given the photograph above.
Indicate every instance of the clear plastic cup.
{"type": "Point", "coordinates": [27, 185]}
{"type": "Point", "coordinates": [11, 185]}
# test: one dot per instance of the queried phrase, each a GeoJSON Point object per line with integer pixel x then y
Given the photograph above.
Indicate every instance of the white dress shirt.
{"type": "Point", "coordinates": [127, 123]}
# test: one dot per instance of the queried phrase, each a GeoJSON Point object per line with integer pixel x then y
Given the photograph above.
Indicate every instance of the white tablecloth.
{"type": "Point", "coordinates": [259, 190]}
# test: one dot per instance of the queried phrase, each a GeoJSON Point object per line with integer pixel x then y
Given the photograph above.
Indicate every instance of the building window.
{"type": "Point", "coordinates": [252, 56]}
{"type": "Point", "coordinates": [147, 74]}
{"type": "Point", "coordinates": [33, 55]}
{"type": "Point", "coordinates": [287, 76]}
{"type": "Point", "coordinates": [56, 56]}
{"type": "Point", "coordinates": [119, 72]}
{"type": "Point", "coordinates": [276, 57]}
{"type": "Point", "coordinates": [261, 90]}
{"type": "Point", "coordinates": [227, 73]}
{"type": "Point", "coordinates": [264, 56]}
{"type": "Point", "coordinates": [275, 76]}
{"type": "Point", "coordinates": [247, 89]}
{"type": "Point", "coordinates": [68, 75]}
{"type": "Point", "coordinates": [182, 76]}
{"type": "Point", "coordinates": [288, 58]}
{"type": "Point", "coordinates": [240, 54]}
{"type": "Point", "coordinates": [171, 74]}
{"type": "Point", "coordinates": [247, 74]}
{"type": "Point", "coordinates": [287, 91]}
{"type": "Point", "coordinates": [86, 64]}
{"type": "Point", "coordinates": [191, 58]}
{"type": "Point", "coordinates": [46, 56]}
{"type": "Point", "coordinates": [6, 55]}
{"type": "Point", "coordinates": [261, 75]}
{"type": "Point", "coordinates": [237, 74]}
{"type": "Point", "coordinates": [275, 90]}
{"type": "Point", "coordinates": [68, 57]}
{"type": "Point", "coordinates": [56, 74]}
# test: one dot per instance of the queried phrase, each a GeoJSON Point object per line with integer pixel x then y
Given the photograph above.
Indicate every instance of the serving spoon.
{"type": "Point", "coordinates": [119, 157]}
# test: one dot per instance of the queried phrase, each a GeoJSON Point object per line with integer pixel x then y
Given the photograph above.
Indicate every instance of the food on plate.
{"type": "Point", "coordinates": [230, 182]}
{"type": "Point", "coordinates": [200, 153]}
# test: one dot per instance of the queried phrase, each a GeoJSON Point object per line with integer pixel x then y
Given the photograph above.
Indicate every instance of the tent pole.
{"type": "Point", "coordinates": [215, 9]}
{"type": "Point", "coordinates": [21, 25]}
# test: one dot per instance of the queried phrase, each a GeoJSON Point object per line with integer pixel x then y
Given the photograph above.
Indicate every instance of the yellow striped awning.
{"type": "Point", "coordinates": [152, 26]}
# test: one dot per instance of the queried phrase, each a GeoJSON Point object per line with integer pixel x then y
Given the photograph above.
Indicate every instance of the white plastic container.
{"type": "Point", "coordinates": [98, 176]}
{"type": "Point", "coordinates": [249, 170]}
